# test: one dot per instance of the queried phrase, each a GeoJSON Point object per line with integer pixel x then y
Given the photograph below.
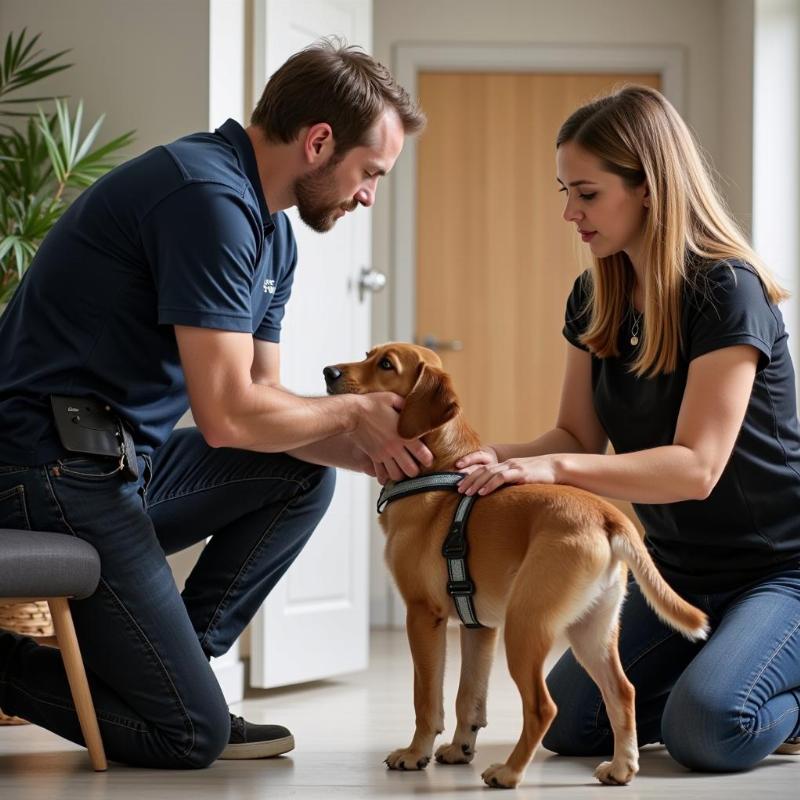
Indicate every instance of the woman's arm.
{"type": "Point", "coordinates": [715, 399]}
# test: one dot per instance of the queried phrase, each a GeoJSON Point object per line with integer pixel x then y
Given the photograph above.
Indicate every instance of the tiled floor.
{"type": "Point", "coordinates": [344, 728]}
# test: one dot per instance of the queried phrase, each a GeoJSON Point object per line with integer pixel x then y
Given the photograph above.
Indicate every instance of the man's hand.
{"type": "Point", "coordinates": [376, 434]}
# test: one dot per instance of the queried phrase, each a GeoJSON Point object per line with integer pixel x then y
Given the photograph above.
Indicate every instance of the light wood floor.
{"type": "Point", "coordinates": [344, 728]}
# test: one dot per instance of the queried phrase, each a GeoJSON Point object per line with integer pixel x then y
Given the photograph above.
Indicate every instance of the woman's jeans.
{"type": "Point", "coordinates": [145, 646]}
{"type": "Point", "coordinates": [718, 706]}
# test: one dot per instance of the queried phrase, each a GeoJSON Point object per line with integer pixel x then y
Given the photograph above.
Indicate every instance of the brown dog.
{"type": "Point", "coordinates": [546, 561]}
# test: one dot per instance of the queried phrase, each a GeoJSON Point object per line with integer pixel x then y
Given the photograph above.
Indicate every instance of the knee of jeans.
{"type": "Point", "coordinates": [195, 744]}
{"type": "Point", "coordinates": [702, 730]}
{"type": "Point", "coordinates": [211, 733]}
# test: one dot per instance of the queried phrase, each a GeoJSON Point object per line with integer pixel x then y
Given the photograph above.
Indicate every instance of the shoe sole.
{"type": "Point", "coordinates": [787, 749]}
{"type": "Point", "coordinates": [274, 747]}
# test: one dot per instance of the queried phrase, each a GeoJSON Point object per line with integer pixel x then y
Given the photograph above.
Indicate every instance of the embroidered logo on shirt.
{"type": "Point", "coordinates": [269, 286]}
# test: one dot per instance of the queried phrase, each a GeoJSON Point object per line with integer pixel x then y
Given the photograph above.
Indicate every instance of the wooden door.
{"type": "Point", "coordinates": [495, 260]}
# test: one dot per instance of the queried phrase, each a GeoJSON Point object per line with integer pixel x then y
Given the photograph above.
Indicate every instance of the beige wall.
{"type": "Point", "coordinates": [144, 63]}
{"type": "Point", "coordinates": [716, 36]}
{"type": "Point", "coordinates": [734, 154]}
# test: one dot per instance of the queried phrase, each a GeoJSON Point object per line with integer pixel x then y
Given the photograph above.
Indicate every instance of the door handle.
{"type": "Point", "coordinates": [432, 343]}
{"type": "Point", "coordinates": [370, 280]}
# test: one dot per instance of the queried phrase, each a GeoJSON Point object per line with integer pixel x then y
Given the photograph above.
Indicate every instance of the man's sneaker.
{"type": "Point", "coordinates": [257, 741]}
{"type": "Point", "coordinates": [791, 747]}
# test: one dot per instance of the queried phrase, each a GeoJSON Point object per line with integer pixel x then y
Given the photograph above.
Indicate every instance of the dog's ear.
{"type": "Point", "coordinates": [431, 403]}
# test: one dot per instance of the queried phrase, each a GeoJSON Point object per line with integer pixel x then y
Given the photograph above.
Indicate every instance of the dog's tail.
{"type": "Point", "coordinates": [627, 545]}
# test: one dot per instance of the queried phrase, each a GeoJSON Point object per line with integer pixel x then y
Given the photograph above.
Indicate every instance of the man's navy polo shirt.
{"type": "Point", "coordinates": [180, 235]}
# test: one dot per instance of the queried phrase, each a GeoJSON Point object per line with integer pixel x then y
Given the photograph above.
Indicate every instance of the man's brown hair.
{"type": "Point", "coordinates": [334, 83]}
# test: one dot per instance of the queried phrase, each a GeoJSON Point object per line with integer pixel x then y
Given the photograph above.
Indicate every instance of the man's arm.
{"type": "Point", "coordinates": [337, 451]}
{"type": "Point", "coordinates": [232, 410]}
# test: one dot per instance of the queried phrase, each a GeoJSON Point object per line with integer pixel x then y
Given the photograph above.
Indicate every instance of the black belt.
{"type": "Point", "coordinates": [459, 585]}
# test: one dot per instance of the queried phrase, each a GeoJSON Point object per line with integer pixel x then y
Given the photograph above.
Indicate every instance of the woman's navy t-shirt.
{"type": "Point", "coordinates": [749, 526]}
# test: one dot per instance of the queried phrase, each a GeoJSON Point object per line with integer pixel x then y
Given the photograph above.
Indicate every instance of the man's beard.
{"type": "Point", "coordinates": [316, 202]}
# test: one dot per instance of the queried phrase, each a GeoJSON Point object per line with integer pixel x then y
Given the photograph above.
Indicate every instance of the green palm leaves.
{"type": "Point", "coordinates": [45, 160]}
{"type": "Point", "coordinates": [23, 66]}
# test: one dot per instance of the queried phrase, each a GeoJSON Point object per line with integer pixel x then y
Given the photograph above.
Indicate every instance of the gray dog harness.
{"type": "Point", "coordinates": [459, 585]}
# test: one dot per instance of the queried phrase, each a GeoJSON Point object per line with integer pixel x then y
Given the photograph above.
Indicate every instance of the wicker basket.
{"type": "Point", "coordinates": [31, 619]}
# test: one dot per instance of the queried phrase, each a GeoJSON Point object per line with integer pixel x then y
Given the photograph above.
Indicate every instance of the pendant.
{"type": "Point", "coordinates": [634, 340]}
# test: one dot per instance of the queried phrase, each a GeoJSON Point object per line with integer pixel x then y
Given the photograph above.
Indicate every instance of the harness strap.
{"type": "Point", "coordinates": [424, 483]}
{"type": "Point", "coordinates": [459, 585]}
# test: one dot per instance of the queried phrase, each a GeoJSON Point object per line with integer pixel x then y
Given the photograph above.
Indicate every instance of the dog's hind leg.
{"type": "Point", "coordinates": [594, 640]}
{"type": "Point", "coordinates": [477, 652]}
{"type": "Point", "coordinates": [427, 636]}
{"type": "Point", "coordinates": [543, 602]}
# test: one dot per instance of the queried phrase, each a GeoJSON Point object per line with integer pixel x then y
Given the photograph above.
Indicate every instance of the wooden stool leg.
{"type": "Point", "coordinates": [78, 684]}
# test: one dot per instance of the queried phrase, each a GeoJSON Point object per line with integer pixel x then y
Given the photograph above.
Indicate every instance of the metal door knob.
{"type": "Point", "coordinates": [370, 281]}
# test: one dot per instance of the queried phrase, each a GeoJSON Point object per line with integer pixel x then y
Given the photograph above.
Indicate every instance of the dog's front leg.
{"type": "Point", "coordinates": [477, 652]}
{"type": "Point", "coordinates": [427, 635]}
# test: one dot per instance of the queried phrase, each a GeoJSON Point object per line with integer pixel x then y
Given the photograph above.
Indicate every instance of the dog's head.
{"type": "Point", "coordinates": [408, 370]}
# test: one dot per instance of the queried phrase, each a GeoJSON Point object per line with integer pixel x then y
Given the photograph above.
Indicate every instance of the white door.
{"type": "Point", "coordinates": [315, 622]}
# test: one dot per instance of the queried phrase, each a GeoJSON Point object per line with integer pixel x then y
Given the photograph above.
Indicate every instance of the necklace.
{"type": "Point", "coordinates": [637, 318]}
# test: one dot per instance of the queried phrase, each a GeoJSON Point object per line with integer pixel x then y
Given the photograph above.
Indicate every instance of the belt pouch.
{"type": "Point", "coordinates": [86, 426]}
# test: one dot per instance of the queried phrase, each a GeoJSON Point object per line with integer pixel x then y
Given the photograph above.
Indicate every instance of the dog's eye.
{"type": "Point", "coordinates": [386, 364]}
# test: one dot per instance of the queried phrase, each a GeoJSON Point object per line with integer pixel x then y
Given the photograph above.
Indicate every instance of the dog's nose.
{"type": "Point", "coordinates": [332, 374]}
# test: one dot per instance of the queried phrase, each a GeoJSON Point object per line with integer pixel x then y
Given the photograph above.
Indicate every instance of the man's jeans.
{"type": "Point", "coordinates": [718, 706]}
{"type": "Point", "coordinates": [145, 646]}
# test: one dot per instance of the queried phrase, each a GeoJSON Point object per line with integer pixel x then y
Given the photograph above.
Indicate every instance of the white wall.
{"type": "Point", "coordinates": [776, 148]}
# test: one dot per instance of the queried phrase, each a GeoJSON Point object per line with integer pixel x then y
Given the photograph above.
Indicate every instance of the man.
{"type": "Point", "coordinates": [164, 286]}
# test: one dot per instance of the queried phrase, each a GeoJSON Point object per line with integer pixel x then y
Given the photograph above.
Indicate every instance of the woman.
{"type": "Point", "coordinates": [677, 355]}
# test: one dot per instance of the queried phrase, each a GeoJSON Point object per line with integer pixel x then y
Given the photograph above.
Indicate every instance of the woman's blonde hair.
{"type": "Point", "coordinates": [638, 135]}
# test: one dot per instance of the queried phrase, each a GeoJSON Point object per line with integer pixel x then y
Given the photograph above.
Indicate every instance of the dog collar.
{"type": "Point", "coordinates": [459, 585]}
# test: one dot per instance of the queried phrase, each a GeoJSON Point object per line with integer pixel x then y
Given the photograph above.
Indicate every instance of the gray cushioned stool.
{"type": "Point", "coordinates": [54, 566]}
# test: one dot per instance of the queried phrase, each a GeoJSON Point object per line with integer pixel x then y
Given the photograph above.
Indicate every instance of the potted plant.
{"type": "Point", "coordinates": [45, 158]}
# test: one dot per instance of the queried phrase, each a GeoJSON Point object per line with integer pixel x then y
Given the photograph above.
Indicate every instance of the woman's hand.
{"type": "Point", "coordinates": [488, 477]}
{"type": "Point", "coordinates": [472, 461]}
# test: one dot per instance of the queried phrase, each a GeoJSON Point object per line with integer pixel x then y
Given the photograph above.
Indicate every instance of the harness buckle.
{"type": "Point", "coordinates": [460, 588]}
{"type": "Point", "coordinates": [455, 545]}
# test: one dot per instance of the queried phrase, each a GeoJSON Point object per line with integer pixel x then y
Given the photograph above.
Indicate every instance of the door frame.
{"type": "Point", "coordinates": [411, 59]}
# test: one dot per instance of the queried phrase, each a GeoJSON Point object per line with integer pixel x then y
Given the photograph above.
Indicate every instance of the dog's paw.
{"type": "Point", "coordinates": [455, 754]}
{"type": "Point", "coordinates": [499, 776]}
{"type": "Point", "coordinates": [406, 758]}
{"type": "Point", "coordinates": [616, 773]}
